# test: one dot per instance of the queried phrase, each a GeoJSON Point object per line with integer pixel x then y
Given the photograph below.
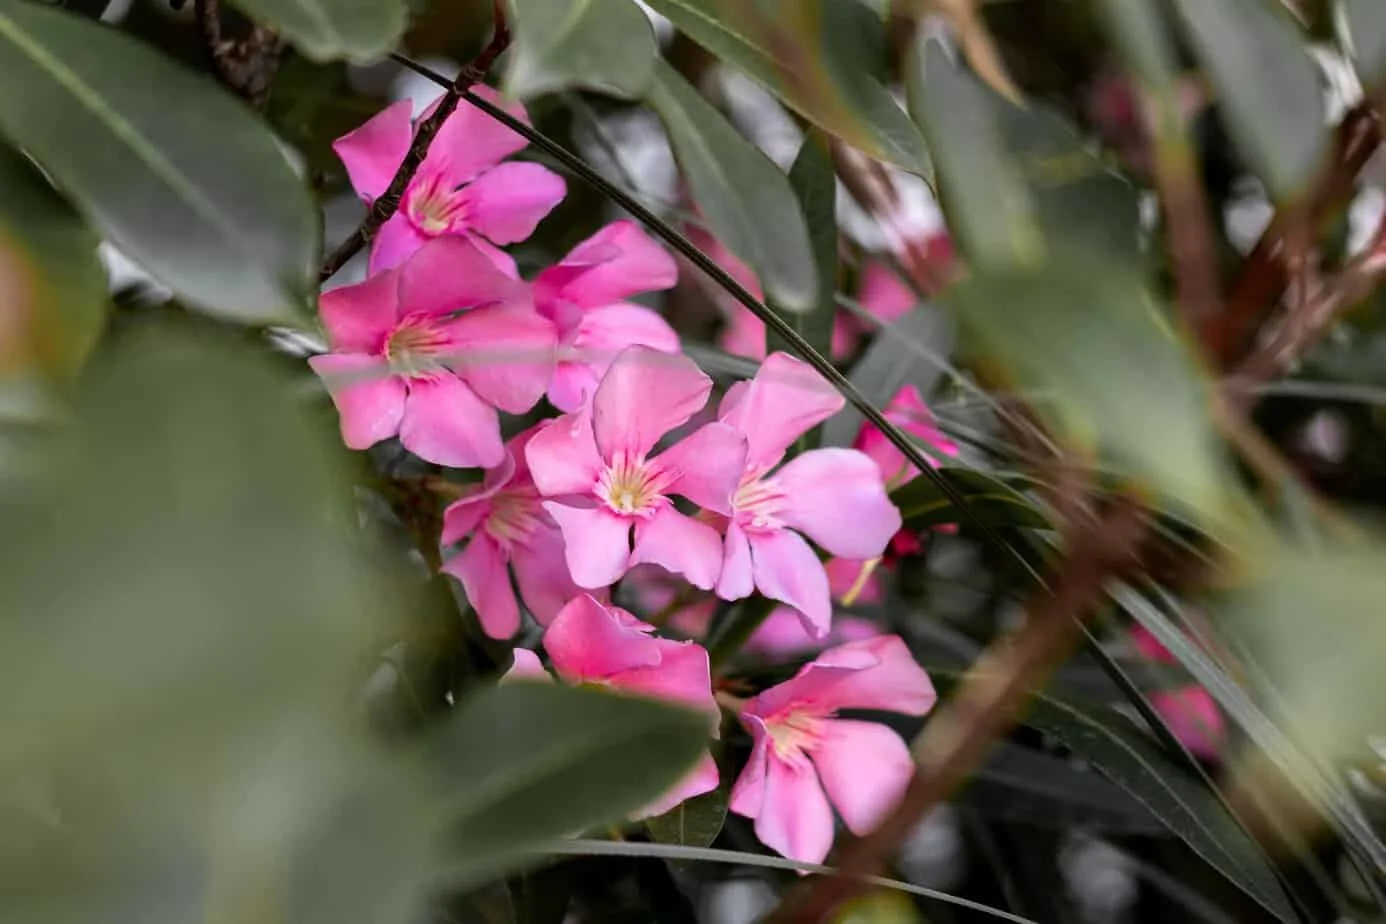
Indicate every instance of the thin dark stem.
{"type": "Point", "coordinates": [387, 204]}
{"type": "Point", "coordinates": [772, 319]}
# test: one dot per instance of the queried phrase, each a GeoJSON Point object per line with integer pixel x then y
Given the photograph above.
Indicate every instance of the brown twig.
{"type": "Point", "coordinates": [986, 703]}
{"type": "Point", "coordinates": [385, 206]}
{"type": "Point", "coordinates": [245, 65]}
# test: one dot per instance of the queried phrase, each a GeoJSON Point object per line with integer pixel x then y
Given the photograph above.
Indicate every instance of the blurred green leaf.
{"type": "Point", "coordinates": [53, 306]}
{"type": "Point", "coordinates": [1364, 22]}
{"type": "Point", "coordinates": [1139, 32]}
{"type": "Point", "coordinates": [821, 57]}
{"type": "Point", "coordinates": [1269, 88]}
{"type": "Point", "coordinates": [525, 763]}
{"type": "Point", "coordinates": [694, 822]}
{"type": "Point", "coordinates": [923, 504]}
{"type": "Point", "coordinates": [747, 201]}
{"type": "Point", "coordinates": [358, 30]}
{"type": "Point", "coordinates": [176, 172]}
{"type": "Point", "coordinates": [877, 907]}
{"type": "Point", "coordinates": [310, 106]}
{"type": "Point", "coordinates": [605, 45]}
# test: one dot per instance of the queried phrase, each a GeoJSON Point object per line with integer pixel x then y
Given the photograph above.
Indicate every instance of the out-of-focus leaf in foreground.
{"type": "Point", "coordinates": [174, 170]}
{"type": "Point", "coordinates": [52, 286]}
{"type": "Point", "coordinates": [605, 45]}
{"type": "Point", "coordinates": [1364, 22]}
{"type": "Point", "coordinates": [358, 30]}
{"type": "Point", "coordinates": [819, 57]}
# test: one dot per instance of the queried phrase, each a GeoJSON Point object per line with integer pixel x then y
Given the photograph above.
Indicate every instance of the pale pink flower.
{"type": "Point", "coordinates": [833, 496]}
{"type": "Point", "coordinates": [430, 350]}
{"type": "Point", "coordinates": [592, 645]}
{"type": "Point", "coordinates": [597, 467]}
{"type": "Point", "coordinates": [585, 296]}
{"type": "Point", "coordinates": [461, 188]}
{"type": "Point", "coordinates": [804, 757]}
{"type": "Point", "coordinates": [1190, 711]}
{"type": "Point", "coordinates": [782, 636]}
{"type": "Point", "coordinates": [505, 518]}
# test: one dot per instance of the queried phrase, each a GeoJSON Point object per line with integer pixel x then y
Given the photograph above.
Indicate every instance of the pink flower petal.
{"type": "Point", "coordinates": [787, 570]}
{"type": "Point", "coordinates": [470, 141]}
{"type": "Point", "coordinates": [643, 396]}
{"type": "Point", "coordinates": [795, 819]}
{"type": "Point", "coordinates": [481, 567]}
{"type": "Point", "coordinates": [507, 202]}
{"type": "Point", "coordinates": [743, 334]}
{"type": "Point", "coordinates": [682, 676]}
{"type": "Point", "coordinates": [782, 635]}
{"type": "Point", "coordinates": [604, 332]}
{"type": "Point", "coordinates": [885, 294]}
{"type": "Point", "coordinates": [865, 768]}
{"type": "Point", "coordinates": [679, 544]}
{"type": "Point", "coordinates": [447, 424]}
{"type": "Point", "coordinates": [837, 499]}
{"type": "Point", "coordinates": [588, 642]}
{"type": "Point", "coordinates": [596, 543]}
{"type": "Point", "coordinates": [505, 354]}
{"type": "Point", "coordinates": [1193, 717]}
{"type": "Point", "coordinates": [706, 466]}
{"type": "Point", "coordinates": [502, 260]}
{"type": "Point", "coordinates": [878, 673]}
{"type": "Point", "coordinates": [395, 242]}
{"type": "Point", "coordinates": [617, 262]}
{"type": "Point", "coordinates": [702, 778]}
{"type": "Point", "coordinates": [908, 411]}
{"type": "Point", "coordinates": [358, 318]}
{"type": "Point", "coordinates": [542, 574]}
{"type": "Point", "coordinates": [369, 399]}
{"type": "Point", "coordinates": [572, 386]}
{"type": "Point", "coordinates": [861, 579]}
{"type": "Point", "coordinates": [748, 792]}
{"type": "Point", "coordinates": [736, 580]}
{"type": "Point", "coordinates": [526, 667]}
{"type": "Point", "coordinates": [785, 400]}
{"type": "Point", "coordinates": [449, 274]}
{"type": "Point", "coordinates": [562, 456]}
{"type": "Point", "coordinates": [372, 153]}
{"type": "Point", "coordinates": [464, 515]}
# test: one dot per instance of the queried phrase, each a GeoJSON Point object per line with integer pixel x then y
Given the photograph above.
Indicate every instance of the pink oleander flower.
{"type": "Point", "coordinates": [1189, 711]}
{"type": "Point", "coordinates": [595, 645]}
{"type": "Point", "coordinates": [584, 295]}
{"type": "Point", "coordinates": [430, 350]}
{"type": "Point", "coordinates": [804, 757]}
{"type": "Point", "coordinates": [596, 467]}
{"type": "Point", "coordinates": [505, 520]}
{"type": "Point", "coordinates": [461, 188]}
{"type": "Point", "coordinates": [833, 496]}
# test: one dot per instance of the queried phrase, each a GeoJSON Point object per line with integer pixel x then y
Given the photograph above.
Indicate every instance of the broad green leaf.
{"type": "Point", "coordinates": [1270, 90]}
{"type": "Point", "coordinates": [1364, 26]}
{"type": "Point", "coordinates": [923, 504]}
{"type": "Point", "coordinates": [605, 45]}
{"type": "Point", "coordinates": [693, 822]}
{"type": "Point", "coordinates": [1139, 32]}
{"type": "Point", "coordinates": [819, 56]}
{"type": "Point", "coordinates": [991, 212]}
{"type": "Point", "coordinates": [180, 175]}
{"type": "Point", "coordinates": [747, 201]}
{"type": "Point", "coordinates": [529, 762]}
{"type": "Point", "coordinates": [1129, 759]}
{"type": "Point", "coordinates": [53, 302]}
{"type": "Point", "coordinates": [358, 30]}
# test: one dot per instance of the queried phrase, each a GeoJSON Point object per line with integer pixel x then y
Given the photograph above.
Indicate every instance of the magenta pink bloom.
{"type": "Point", "coordinates": [1189, 711]}
{"type": "Point", "coordinates": [462, 188]}
{"type": "Point", "coordinates": [907, 411]}
{"type": "Point", "coordinates": [585, 296]}
{"type": "Point", "coordinates": [833, 496]}
{"type": "Point", "coordinates": [430, 351]}
{"type": "Point", "coordinates": [597, 468]}
{"type": "Point", "coordinates": [804, 757]}
{"type": "Point", "coordinates": [594, 645]}
{"type": "Point", "coordinates": [508, 527]}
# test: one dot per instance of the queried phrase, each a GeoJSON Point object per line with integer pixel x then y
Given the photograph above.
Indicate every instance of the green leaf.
{"type": "Point", "coordinates": [819, 57]}
{"type": "Point", "coordinates": [1269, 88]}
{"type": "Point", "coordinates": [54, 306]}
{"type": "Point", "coordinates": [694, 822]}
{"type": "Point", "coordinates": [923, 504]}
{"type": "Point", "coordinates": [180, 175]}
{"type": "Point", "coordinates": [1364, 25]}
{"type": "Point", "coordinates": [746, 199]}
{"type": "Point", "coordinates": [605, 45]}
{"type": "Point", "coordinates": [324, 30]}
{"type": "Point", "coordinates": [525, 763]}
{"type": "Point", "coordinates": [1129, 759]}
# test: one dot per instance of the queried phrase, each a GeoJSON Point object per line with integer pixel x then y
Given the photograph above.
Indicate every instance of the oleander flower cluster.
{"type": "Point", "coordinates": [600, 465]}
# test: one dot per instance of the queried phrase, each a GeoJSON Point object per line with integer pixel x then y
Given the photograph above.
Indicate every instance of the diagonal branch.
{"type": "Point", "coordinates": [385, 206]}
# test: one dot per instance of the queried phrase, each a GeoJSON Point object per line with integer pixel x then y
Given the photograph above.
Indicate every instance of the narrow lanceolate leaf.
{"type": "Point", "coordinates": [605, 45]}
{"type": "Point", "coordinates": [1270, 89]}
{"type": "Point", "coordinates": [513, 757]}
{"type": "Point", "coordinates": [744, 196]}
{"type": "Point", "coordinates": [819, 57]}
{"type": "Point", "coordinates": [1364, 25]}
{"type": "Point", "coordinates": [52, 286]}
{"type": "Point", "coordinates": [183, 177]}
{"type": "Point", "coordinates": [324, 30]}
{"type": "Point", "coordinates": [693, 822]}
{"type": "Point", "coordinates": [1129, 759]}
{"type": "Point", "coordinates": [923, 504]}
